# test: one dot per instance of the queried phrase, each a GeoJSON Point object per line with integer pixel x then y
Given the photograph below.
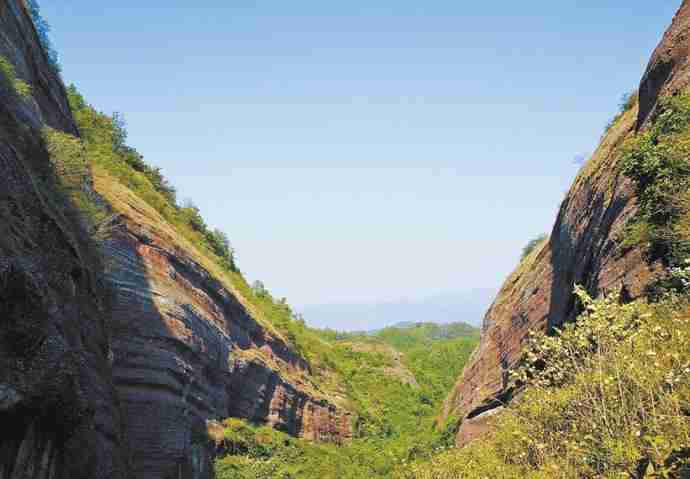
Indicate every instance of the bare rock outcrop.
{"type": "Point", "coordinates": [188, 349]}
{"type": "Point", "coordinates": [583, 249]}
{"type": "Point", "coordinates": [59, 415]}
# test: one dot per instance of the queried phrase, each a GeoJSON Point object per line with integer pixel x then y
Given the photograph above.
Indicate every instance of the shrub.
{"type": "Point", "coordinates": [43, 30]}
{"type": "Point", "coordinates": [657, 163]}
{"type": "Point", "coordinates": [606, 397]}
{"type": "Point", "coordinates": [9, 77]}
{"type": "Point", "coordinates": [626, 103]}
{"type": "Point", "coordinates": [533, 244]}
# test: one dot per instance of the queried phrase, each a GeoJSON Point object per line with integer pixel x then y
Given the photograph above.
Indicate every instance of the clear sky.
{"type": "Point", "coordinates": [364, 151]}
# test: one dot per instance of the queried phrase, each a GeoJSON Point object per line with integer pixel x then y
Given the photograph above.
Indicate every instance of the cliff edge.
{"type": "Point", "coordinates": [584, 248]}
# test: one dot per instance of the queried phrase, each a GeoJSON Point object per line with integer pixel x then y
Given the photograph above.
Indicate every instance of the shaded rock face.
{"type": "Point", "coordinates": [59, 415]}
{"type": "Point", "coordinates": [667, 72]}
{"type": "Point", "coordinates": [186, 350]}
{"type": "Point", "coordinates": [583, 249]}
{"type": "Point", "coordinates": [112, 370]}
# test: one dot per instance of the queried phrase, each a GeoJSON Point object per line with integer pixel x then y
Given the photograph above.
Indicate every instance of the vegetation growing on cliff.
{"type": "Point", "coordinates": [104, 138]}
{"type": "Point", "coordinates": [607, 397]}
{"type": "Point", "coordinates": [627, 102]}
{"type": "Point", "coordinates": [43, 30]}
{"type": "Point", "coordinates": [9, 77]}
{"type": "Point", "coordinates": [395, 412]}
{"type": "Point", "coordinates": [657, 162]}
{"type": "Point", "coordinates": [532, 245]}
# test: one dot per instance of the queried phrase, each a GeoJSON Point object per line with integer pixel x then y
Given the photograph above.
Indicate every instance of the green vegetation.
{"type": "Point", "coordinates": [395, 397]}
{"type": "Point", "coordinates": [73, 174]}
{"type": "Point", "coordinates": [431, 352]}
{"type": "Point", "coordinates": [532, 245]}
{"type": "Point", "coordinates": [657, 162]}
{"type": "Point", "coordinates": [627, 102]}
{"type": "Point", "coordinates": [104, 139]}
{"type": "Point", "coordinates": [43, 30]}
{"type": "Point", "coordinates": [608, 396]}
{"type": "Point", "coordinates": [9, 78]}
{"type": "Point", "coordinates": [416, 335]}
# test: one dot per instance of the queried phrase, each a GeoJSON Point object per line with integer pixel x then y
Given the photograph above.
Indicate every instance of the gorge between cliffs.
{"type": "Point", "coordinates": [133, 346]}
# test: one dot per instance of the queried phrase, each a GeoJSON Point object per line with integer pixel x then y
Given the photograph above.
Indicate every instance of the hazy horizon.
{"type": "Point", "coordinates": [441, 308]}
{"type": "Point", "coordinates": [361, 154]}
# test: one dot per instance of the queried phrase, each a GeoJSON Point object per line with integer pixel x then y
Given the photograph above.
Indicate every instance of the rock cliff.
{"type": "Point", "coordinates": [115, 355]}
{"type": "Point", "coordinates": [583, 249]}
{"type": "Point", "coordinates": [188, 348]}
{"type": "Point", "coordinates": [59, 414]}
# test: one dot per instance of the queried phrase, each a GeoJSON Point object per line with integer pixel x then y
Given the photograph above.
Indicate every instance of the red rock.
{"type": "Point", "coordinates": [188, 349]}
{"type": "Point", "coordinates": [583, 249]}
{"type": "Point", "coordinates": [94, 390]}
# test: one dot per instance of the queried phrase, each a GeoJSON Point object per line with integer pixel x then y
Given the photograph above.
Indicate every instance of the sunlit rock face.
{"type": "Point", "coordinates": [59, 414]}
{"type": "Point", "coordinates": [187, 350]}
{"type": "Point", "coordinates": [583, 249]}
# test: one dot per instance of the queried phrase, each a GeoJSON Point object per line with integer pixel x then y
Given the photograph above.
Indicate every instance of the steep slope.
{"type": "Point", "coordinates": [188, 348]}
{"type": "Point", "coordinates": [121, 338]}
{"type": "Point", "coordinates": [191, 341]}
{"type": "Point", "coordinates": [58, 410]}
{"type": "Point", "coordinates": [584, 248]}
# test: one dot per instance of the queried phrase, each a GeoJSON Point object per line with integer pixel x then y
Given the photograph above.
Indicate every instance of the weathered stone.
{"type": "Point", "coordinates": [583, 249]}
{"type": "Point", "coordinates": [188, 349]}
{"type": "Point", "coordinates": [57, 403]}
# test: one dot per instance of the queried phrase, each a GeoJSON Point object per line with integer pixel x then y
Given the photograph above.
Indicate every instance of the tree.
{"type": "Point", "coordinates": [43, 30]}
{"type": "Point", "coordinates": [533, 243]}
{"type": "Point", "coordinates": [259, 289]}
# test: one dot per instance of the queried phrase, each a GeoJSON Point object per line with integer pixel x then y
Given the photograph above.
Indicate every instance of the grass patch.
{"type": "Point", "coordinates": [9, 76]}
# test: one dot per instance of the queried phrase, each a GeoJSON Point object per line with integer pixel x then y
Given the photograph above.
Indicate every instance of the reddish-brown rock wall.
{"type": "Point", "coordinates": [97, 387]}
{"type": "Point", "coordinates": [187, 350]}
{"type": "Point", "coordinates": [583, 249]}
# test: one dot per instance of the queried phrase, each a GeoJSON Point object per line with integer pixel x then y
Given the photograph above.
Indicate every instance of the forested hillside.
{"type": "Point", "coordinates": [396, 379]}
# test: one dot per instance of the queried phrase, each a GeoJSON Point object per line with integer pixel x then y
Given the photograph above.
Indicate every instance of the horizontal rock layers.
{"type": "Point", "coordinates": [112, 358]}
{"type": "Point", "coordinates": [188, 350]}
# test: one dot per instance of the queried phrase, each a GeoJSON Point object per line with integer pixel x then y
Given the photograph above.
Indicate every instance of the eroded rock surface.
{"type": "Point", "coordinates": [187, 349]}
{"type": "Point", "coordinates": [583, 249]}
{"type": "Point", "coordinates": [111, 369]}
{"type": "Point", "coordinates": [59, 416]}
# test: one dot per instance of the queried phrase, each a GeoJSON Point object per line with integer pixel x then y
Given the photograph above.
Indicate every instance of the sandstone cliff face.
{"type": "Point", "coordinates": [188, 350]}
{"type": "Point", "coordinates": [59, 416]}
{"type": "Point", "coordinates": [111, 369]}
{"type": "Point", "coordinates": [583, 249]}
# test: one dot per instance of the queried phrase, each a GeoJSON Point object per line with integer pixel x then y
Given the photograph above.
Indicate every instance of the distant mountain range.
{"type": "Point", "coordinates": [448, 307]}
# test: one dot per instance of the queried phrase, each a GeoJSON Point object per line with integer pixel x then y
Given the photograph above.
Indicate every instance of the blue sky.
{"type": "Point", "coordinates": [364, 151]}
